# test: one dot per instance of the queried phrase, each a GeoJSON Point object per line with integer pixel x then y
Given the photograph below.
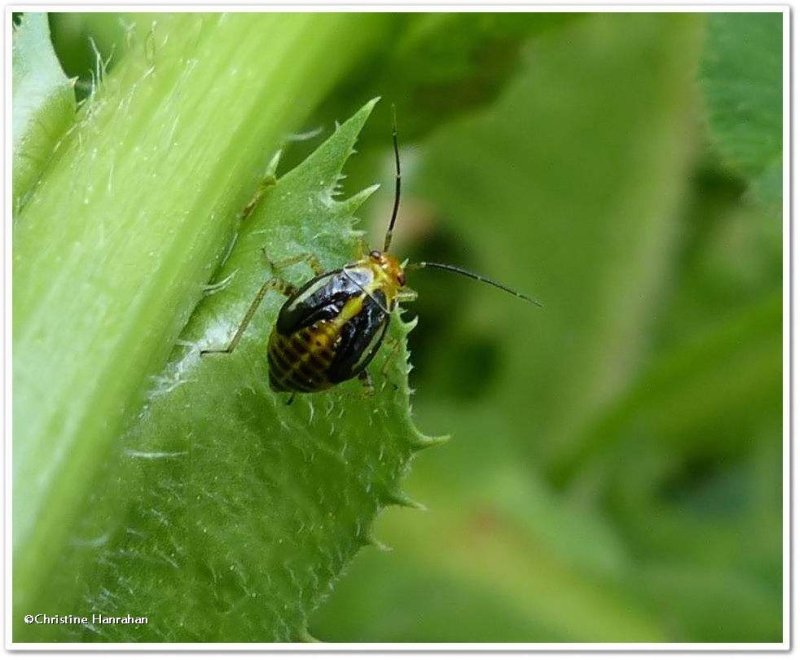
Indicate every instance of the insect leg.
{"type": "Point", "coordinates": [366, 381]}
{"type": "Point", "coordinates": [208, 289]}
{"type": "Point", "coordinates": [265, 184]}
{"type": "Point", "coordinates": [310, 259]}
{"type": "Point", "coordinates": [275, 284]}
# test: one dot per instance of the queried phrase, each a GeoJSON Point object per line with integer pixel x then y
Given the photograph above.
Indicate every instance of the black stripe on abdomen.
{"type": "Point", "coordinates": [294, 366]}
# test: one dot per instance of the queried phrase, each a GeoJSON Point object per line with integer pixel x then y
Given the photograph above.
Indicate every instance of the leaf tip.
{"type": "Point", "coordinates": [272, 167]}
{"type": "Point", "coordinates": [361, 116]}
{"type": "Point", "coordinates": [351, 204]}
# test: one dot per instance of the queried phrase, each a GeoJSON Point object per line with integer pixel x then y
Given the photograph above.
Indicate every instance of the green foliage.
{"type": "Point", "coordinates": [442, 65]}
{"type": "Point", "coordinates": [596, 210]}
{"type": "Point", "coordinates": [110, 259]}
{"type": "Point", "coordinates": [742, 74]}
{"type": "Point", "coordinates": [616, 470]}
{"type": "Point", "coordinates": [619, 450]}
{"type": "Point", "coordinates": [43, 105]}
{"type": "Point", "coordinates": [246, 507]}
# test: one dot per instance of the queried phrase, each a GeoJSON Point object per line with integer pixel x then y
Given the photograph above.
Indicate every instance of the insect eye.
{"type": "Point", "coordinates": [375, 254]}
{"type": "Point", "coordinates": [401, 279]}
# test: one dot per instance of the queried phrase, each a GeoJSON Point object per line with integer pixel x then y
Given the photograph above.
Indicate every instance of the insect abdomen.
{"type": "Point", "coordinates": [299, 362]}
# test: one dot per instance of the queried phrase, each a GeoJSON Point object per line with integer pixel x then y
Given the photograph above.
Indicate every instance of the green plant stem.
{"type": "Point", "coordinates": [113, 250]}
{"type": "Point", "coordinates": [43, 103]}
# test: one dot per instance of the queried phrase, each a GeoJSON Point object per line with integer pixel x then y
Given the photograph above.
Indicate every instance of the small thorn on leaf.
{"type": "Point", "coordinates": [399, 498]}
{"type": "Point", "coordinates": [370, 539]}
{"type": "Point", "coordinates": [306, 637]}
{"type": "Point", "coordinates": [425, 442]}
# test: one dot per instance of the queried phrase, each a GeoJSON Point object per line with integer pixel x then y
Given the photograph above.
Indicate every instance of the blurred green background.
{"type": "Point", "coordinates": [615, 470]}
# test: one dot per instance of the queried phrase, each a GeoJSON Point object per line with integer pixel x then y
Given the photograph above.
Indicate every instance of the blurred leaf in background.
{"type": "Point", "coordinates": [441, 65]}
{"type": "Point", "coordinates": [742, 76]}
{"type": "Point", "coordinates": [615, 472]}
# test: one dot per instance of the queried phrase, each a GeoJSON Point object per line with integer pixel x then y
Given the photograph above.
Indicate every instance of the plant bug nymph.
{"type": "Point", "coordinates": [329, 330]}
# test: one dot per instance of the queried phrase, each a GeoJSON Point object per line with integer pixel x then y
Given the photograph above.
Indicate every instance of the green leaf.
{"type": "Point", "coordinates": [114, 247]}
{"type": "Point", "coordinates": [742, 76]}
{"type": "Point", "coordinates": [248, 508]}
{"type": "Point", "coordinates": [42, 103]}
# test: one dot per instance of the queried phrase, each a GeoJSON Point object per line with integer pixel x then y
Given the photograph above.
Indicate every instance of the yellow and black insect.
{"type": "Point", "coordinates": [329, 330]}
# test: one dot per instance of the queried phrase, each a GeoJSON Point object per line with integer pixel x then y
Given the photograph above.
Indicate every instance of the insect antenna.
{"type": "Point", "coordinates": [388, 239]}
{"type": "Point", "coordinates": [474, 276]}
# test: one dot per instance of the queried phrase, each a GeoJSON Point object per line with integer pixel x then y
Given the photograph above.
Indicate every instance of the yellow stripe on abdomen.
{"type": "Point", "coordinates": [300, 361]}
